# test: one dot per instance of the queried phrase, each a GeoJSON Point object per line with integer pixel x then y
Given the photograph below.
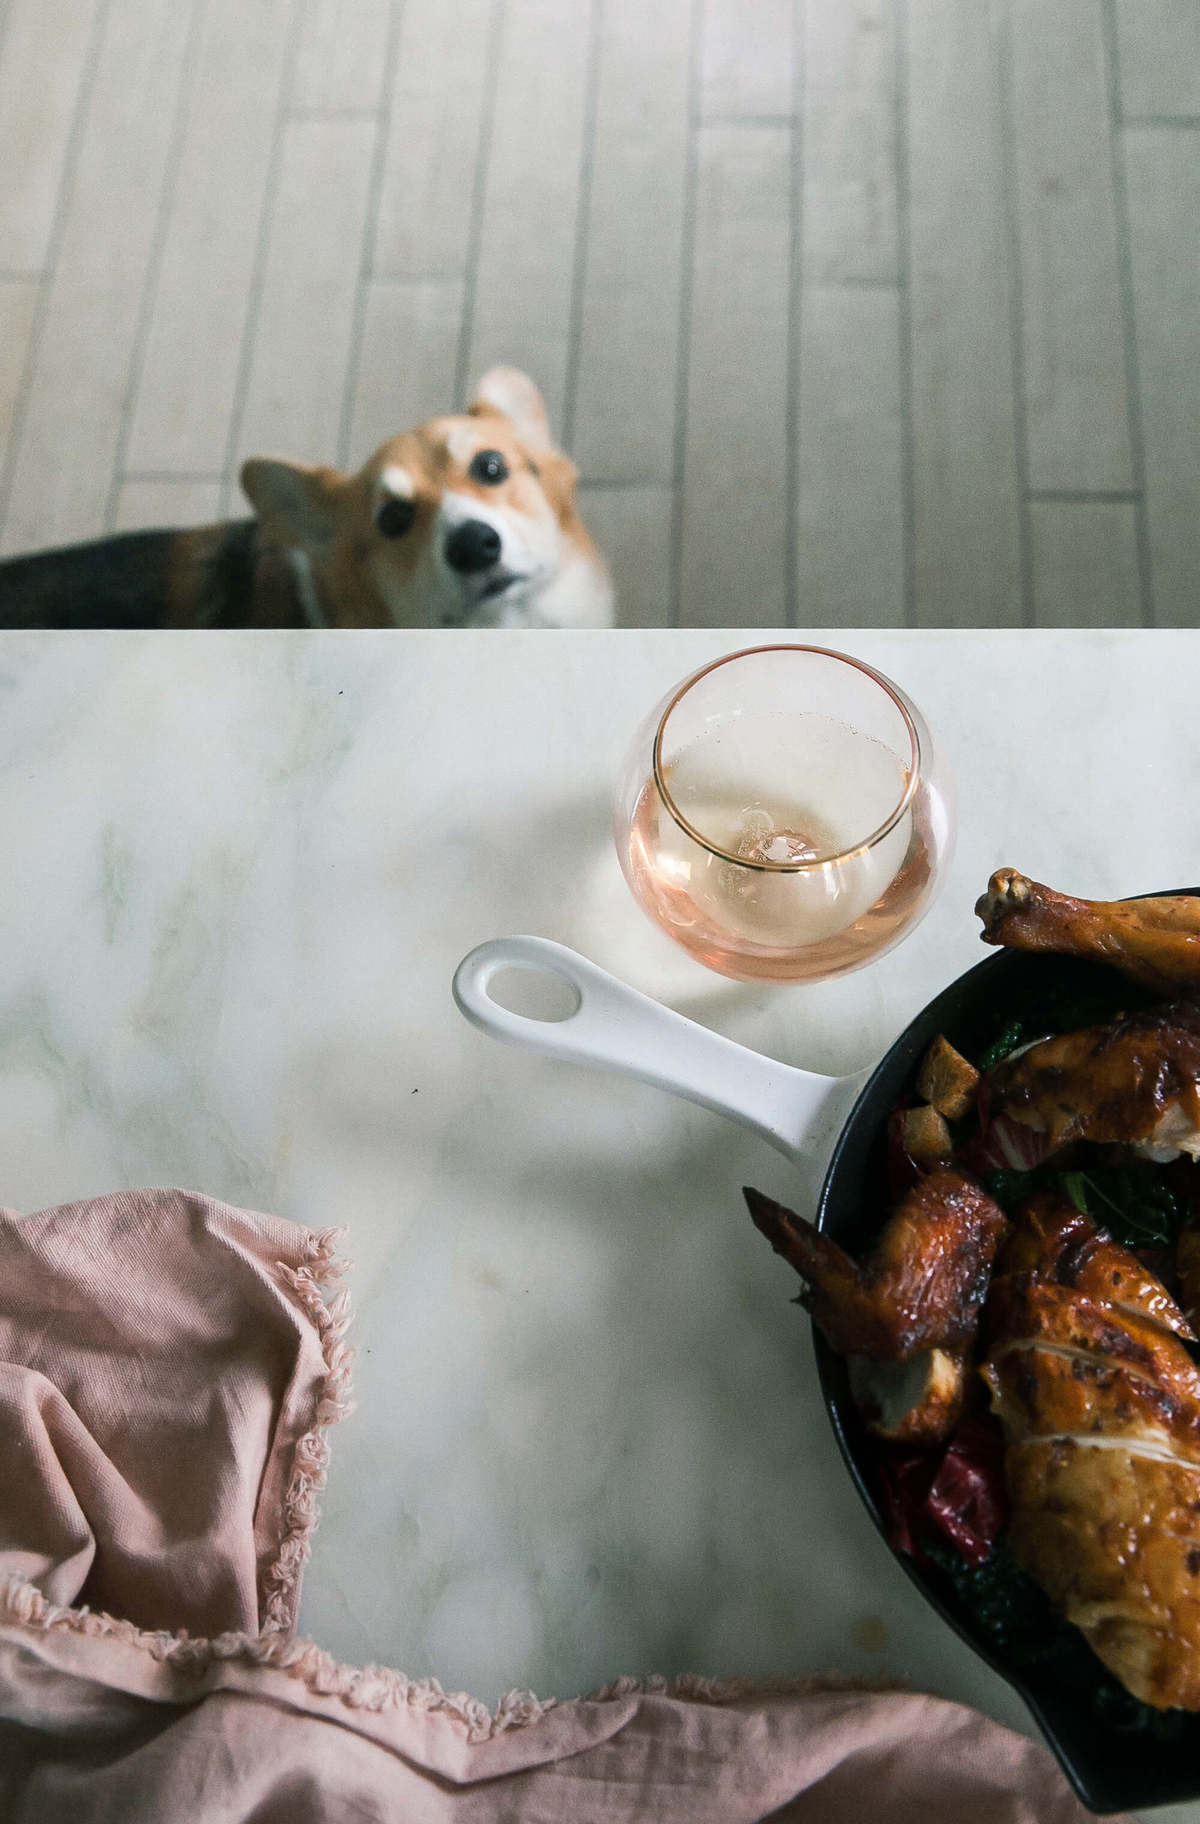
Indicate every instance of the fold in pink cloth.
{"type": "Point", "coordinates": [167, 1368]}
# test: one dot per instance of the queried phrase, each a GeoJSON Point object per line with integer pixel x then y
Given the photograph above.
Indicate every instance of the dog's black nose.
{"type": "Point", "coordinates": [472, 546]}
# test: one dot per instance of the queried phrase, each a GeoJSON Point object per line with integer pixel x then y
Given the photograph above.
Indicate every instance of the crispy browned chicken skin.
{"type": "Point", "coordinates": [923, 1283]}
{"type": "Point", "coordinates": [1055, 1243]}
{"type": "Point", "coordinates": [1154, 941]}
{"type": "Point", "coordinates": [1134, 1081]}
{"type": "Point", "coordinates": [1100, 1403]}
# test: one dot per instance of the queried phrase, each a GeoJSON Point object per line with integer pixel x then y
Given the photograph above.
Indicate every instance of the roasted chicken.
{"type": "Point", "coordinates": [1134, 1081]}
{"type": "Point", "coordinates": [923, 1283]}
{"type": "Point", "coordinates": [1087, 1356]}
{"type": "Point", "coordinates": [1154, 941]}
{"type": "Point", "coordinates": [917, 1402]}
{"type": "Point", "coordinates": [1100, 1403]}
{"type": "Point", "coordinates": [1058, 1244]}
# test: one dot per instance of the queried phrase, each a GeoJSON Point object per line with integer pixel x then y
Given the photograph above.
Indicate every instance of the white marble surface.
{"type": "Point", "coordinates": [241, 870]}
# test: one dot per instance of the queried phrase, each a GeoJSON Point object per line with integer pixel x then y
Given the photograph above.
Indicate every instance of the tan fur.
{"type": "Point", "coordinates": [364, 578]}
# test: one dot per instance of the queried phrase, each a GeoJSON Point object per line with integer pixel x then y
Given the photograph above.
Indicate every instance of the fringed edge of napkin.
{"type": "Point", "coordinates": [375, 1688]}
{"type": "Point", "coordinates": [378, 1688]}
{"type": "Point", "coordinates": [311, 1284]}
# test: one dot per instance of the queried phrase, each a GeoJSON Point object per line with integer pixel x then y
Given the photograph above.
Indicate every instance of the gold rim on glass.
{"type": "Point", "coordinates": [790, 867]}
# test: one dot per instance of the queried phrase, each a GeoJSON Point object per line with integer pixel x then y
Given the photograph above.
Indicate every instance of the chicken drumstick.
{"type": "Point", "coordinates": [1155, 941]}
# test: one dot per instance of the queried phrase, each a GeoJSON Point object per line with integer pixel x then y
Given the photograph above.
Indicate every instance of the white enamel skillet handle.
{"type": "Point", "coordinates": [619, 1029]}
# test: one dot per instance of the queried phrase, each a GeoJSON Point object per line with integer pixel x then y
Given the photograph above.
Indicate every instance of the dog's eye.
{"type": "Point", "coordinates": [395, 517]}
{"type": "Point", "coordinates": [489, 467]}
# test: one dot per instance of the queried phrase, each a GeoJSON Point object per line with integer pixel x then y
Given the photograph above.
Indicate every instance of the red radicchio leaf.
{"type": "Point", "coordinates": [960, 1495]}
{"type": "Point", "coordinates": [904, 1480]}
{"type": "Point", "coordinates": [984, 1099]}
{"type": "Point", "coordinates": [902, 1169]}
{"type": "Point", "coordinates": [968, 1500]}
{"type": "Point", "coordinates": [1007, 1145]}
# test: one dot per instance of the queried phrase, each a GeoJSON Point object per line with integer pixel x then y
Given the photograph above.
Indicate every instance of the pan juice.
{"type": "Point", "coordinates": [796, 856]}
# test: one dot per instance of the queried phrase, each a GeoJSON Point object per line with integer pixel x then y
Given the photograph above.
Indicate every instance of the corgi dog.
{"type": "Point", "coordinates": [467, 521]}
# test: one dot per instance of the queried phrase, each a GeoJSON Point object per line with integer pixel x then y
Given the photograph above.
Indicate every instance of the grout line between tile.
{"type": "Point", "coordinates": [258, 269]}
{"type": "Point", "coordinates": [863, 281]}
{"type": "Point", "coordinates": [381, 275]}
{"type": "Point", "coordinates": [1001, 13]}
{"type": "Point", "coordinates": [583, 216]}
{"type": "Point", "coordinates": [687, 263]}
{"type": "Point", "coordinates": [83, 103]}
{"type": "Point", "coordinates": [1175, 123]}
{"type": "Point", "coordinates": [153, 273]}
{"type": "Point", "coordinates": [1133, 394]}
{"type": "Point", "coordinates": [616, 482]}
{"type": "Point", "coordinates": [182, 475]}
{"type": "Point", "coordinates": [383, 117]}
{"type": "Point", "coordinates": [1084, 496]}
{"type": "Point", "coordinates": [332, 113]}
{"type": "Point", "coordinates": [748, 120]}
{"type": "Point", "coordinates": [478, 192]}
{"type": "Point", "coordinates": [908, 512]}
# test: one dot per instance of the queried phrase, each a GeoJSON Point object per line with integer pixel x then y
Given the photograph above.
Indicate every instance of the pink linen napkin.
{"type": "Point", "coordinates": [167, 1368]}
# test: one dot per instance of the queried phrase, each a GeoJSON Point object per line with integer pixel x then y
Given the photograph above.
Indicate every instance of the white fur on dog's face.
{"type": "Point", "coordinates": [468, 521]}
{"type": "Point", "coordinates": [440, 471]}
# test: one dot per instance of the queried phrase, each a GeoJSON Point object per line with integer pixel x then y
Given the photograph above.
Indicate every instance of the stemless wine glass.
{"type": "Point", "coordinates": [783, 814]}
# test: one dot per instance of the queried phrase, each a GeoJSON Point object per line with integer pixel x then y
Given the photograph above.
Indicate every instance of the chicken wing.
{"type": "Point", "coordinates": [923, 1283]}
{"type": "Point", "coordinates": [1134, 1081]}
{"type": "Point", "coordinates": [1100, 1404]}
{"type": "Point", "coordinates": [1154, 941]}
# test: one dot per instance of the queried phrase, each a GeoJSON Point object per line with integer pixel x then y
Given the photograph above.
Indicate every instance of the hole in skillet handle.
{"type": "Point", "coordinates": [536, 994]}
{"type": "Point", "coordinates": [1110, 1769]}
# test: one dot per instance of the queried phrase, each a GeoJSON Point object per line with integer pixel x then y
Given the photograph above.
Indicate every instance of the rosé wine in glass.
{"type": "Point", "coordinates": [783, 814]}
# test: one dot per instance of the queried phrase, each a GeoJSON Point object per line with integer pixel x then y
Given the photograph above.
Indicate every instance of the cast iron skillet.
{"type": "Point", "coordinates": [1111, 1769]}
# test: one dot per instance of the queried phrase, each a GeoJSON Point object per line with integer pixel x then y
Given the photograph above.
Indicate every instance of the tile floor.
{"type": "Point", "coordinates": [853, 312]}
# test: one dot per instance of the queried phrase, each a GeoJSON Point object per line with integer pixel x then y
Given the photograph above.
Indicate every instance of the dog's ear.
{"type": "Point", "coordinates": [559, 478]}
{"type": "Point", "coordinates": [511, 393]}
{"type": "Point", "coordinates": [296, 504]}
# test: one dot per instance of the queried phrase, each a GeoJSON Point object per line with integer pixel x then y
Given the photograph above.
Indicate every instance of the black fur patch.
{"type": "Point", "coordinates": [226, 592]}
{"type": "Point", "coordinates": [126, 581]}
